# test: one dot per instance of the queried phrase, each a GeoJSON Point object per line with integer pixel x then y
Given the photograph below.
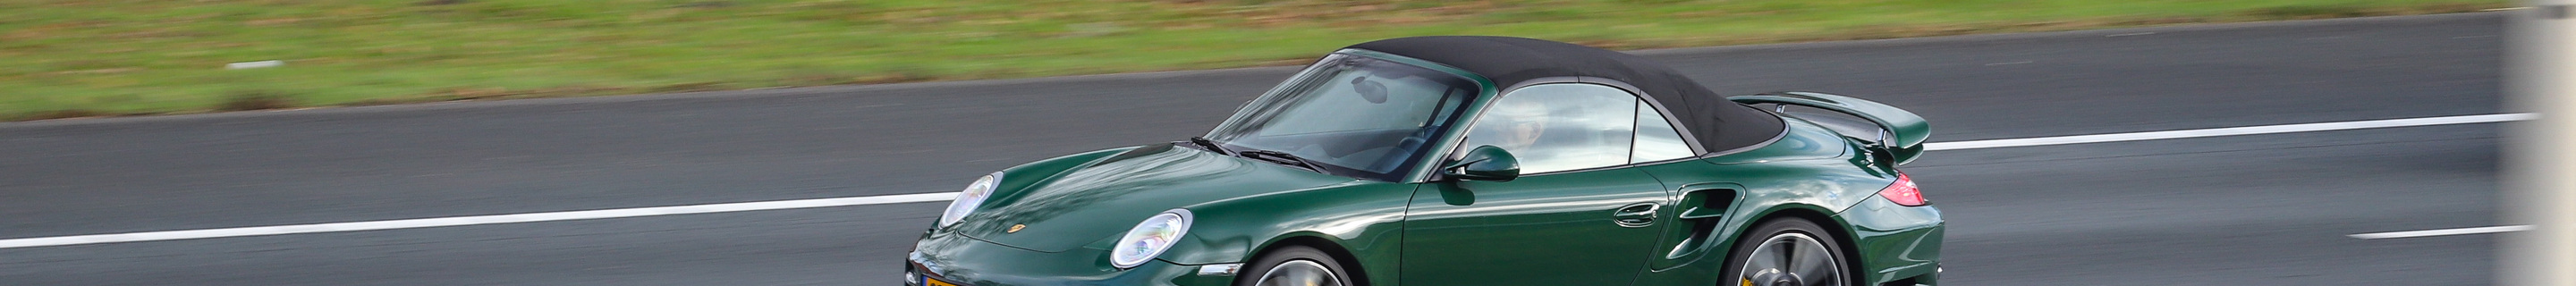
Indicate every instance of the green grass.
{"type": "Point", "coordinates": [121, 57]}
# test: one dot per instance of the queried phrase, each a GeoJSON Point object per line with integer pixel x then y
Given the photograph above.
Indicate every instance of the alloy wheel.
{"type": "Point", "coordinates": [1299, 273]}
{"type": "Point", "coordinates": [1792, 259]}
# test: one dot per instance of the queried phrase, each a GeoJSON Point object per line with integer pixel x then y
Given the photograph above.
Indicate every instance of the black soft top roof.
{"type": "Point", "coordinates": [1716, 123]}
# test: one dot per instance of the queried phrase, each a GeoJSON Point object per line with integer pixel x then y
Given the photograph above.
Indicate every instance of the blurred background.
{"type": "Point", "coordinates": [115, 130]}
{"type": "Point", "coordinates": [105, 57]}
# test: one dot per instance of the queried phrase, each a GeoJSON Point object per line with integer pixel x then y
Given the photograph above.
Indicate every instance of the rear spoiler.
{"type": "Point", "coordinates": [1901, 133]}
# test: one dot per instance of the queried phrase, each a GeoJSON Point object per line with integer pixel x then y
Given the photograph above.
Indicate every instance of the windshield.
{"type": "Point", "coordinates": [1357, 116]}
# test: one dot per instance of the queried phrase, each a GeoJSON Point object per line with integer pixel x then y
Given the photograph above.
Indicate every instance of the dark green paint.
{"type": "Point", "coordinates": [1104, 199]}
{"type": "Point", "coordinates": [1364, 217]}
{"type": "Point", "coordinates": [1891, 235]}
{"type": "Point", "coordinates": [965, 260]}
{"type": "Point", "coordinates": [1536, 229]}
{"type": "Point", "coordinates": [1486, 233]}
{"type": "Point", "coordinates": [1485, 163]}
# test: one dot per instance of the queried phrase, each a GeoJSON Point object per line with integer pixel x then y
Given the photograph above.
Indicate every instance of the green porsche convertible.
{"type": "Point", "coordinates": [1464, 160]}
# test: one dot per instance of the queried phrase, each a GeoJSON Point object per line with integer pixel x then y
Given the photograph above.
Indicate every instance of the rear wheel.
{"type": "Point", "coordinates": [1787, 252]}
{"type": "Point", "coordinates": [1294, 266]}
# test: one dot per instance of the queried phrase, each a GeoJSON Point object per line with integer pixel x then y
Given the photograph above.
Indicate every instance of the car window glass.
{"type": "Point", "coordinates": [1416, 97]}
{"type": "Point", "coordinates": [1656, 140]}
{"type": "Point", "coordinates": [1558, 127]}
{"type": "Point", "coordinates": [1355, 116]}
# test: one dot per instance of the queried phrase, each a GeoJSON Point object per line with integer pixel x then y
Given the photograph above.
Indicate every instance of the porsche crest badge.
{"type": "Point", "coordinates": [1016, 228]}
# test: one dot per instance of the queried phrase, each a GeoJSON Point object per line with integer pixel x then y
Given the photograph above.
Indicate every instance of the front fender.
{"type": "Point", "coordinates": [1363, 217]}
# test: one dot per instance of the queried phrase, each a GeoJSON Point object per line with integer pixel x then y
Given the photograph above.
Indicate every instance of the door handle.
{"type": "Point", "coordinates": [1635, 215]}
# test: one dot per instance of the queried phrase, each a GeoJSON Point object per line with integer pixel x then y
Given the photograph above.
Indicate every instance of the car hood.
{"type": "Point", "coordinates": [1094, 203]}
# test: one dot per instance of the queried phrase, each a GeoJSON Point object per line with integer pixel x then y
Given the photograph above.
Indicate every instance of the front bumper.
{"type": "Point", "coordinates": [964, 261]}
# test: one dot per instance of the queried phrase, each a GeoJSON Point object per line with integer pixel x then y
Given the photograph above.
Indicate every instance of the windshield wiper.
{"type": "Point", "coordinates": [1283, 158]}
{"type": "Point", "coordinates": [1210, 145]}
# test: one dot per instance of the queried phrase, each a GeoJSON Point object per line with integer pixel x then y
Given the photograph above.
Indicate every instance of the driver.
{"type": "Point", "coordinates": [1514, 125]}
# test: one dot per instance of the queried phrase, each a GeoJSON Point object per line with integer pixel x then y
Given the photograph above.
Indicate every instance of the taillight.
{"type": "Point", "coordinates": [1903, 192]}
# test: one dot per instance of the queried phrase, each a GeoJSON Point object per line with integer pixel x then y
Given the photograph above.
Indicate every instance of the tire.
{"type": "Point", "coordinates": [1798, 239]}
{"type": "Point", "coordinates": [1294, 265]}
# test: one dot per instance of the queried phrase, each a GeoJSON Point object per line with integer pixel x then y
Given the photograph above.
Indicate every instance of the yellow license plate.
{"type": "Point", "coordinates": [935, 282]}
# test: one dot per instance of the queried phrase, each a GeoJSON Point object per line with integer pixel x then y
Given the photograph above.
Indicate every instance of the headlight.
{"type": "Point", "coordinates": [1150, 238]}
{"type": "Point", "coordinates": [966, 201]}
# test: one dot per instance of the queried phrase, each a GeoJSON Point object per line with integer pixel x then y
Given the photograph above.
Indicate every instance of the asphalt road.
{"type": "Point", "coordinates": [2262, 209]}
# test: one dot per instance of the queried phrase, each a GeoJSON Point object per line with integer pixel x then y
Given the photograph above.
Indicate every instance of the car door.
{"type": "Point", "coordinates": [1578, 216]}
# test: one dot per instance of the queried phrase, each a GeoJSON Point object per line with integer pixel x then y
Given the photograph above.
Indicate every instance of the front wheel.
{"type": "Point", "coordinates": [1294, 266]}
{"type": "Point", "coordinates": [1787, 252]}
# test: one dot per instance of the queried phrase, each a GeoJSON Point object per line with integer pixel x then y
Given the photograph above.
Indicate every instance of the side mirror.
{"type": "Point", "coordinates": [1485, 163]}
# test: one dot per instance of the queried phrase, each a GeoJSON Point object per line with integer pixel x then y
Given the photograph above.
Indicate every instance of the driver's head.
{"type": "Point", "coordinates": [1521, 123]}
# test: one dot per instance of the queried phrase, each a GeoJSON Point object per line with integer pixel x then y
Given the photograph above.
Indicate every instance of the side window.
{"type": "Point", "coordinates": [1557, 127]}
{"type": "Point", "coordinates": [1656, 139]}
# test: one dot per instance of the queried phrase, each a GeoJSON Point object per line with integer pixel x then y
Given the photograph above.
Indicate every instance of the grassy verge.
{"type": "Point", "coordinates": [72, 58]}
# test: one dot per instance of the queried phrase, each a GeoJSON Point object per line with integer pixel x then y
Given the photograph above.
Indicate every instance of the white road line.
{"type": "Point", "coordinates": [2442, 232]}
{"type": "Point", "coordinates": [471, 220]}
{"type": "Point", "coordinates": [944, 196]}
{"type": "Point", "coordinates": [2233, 131]}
